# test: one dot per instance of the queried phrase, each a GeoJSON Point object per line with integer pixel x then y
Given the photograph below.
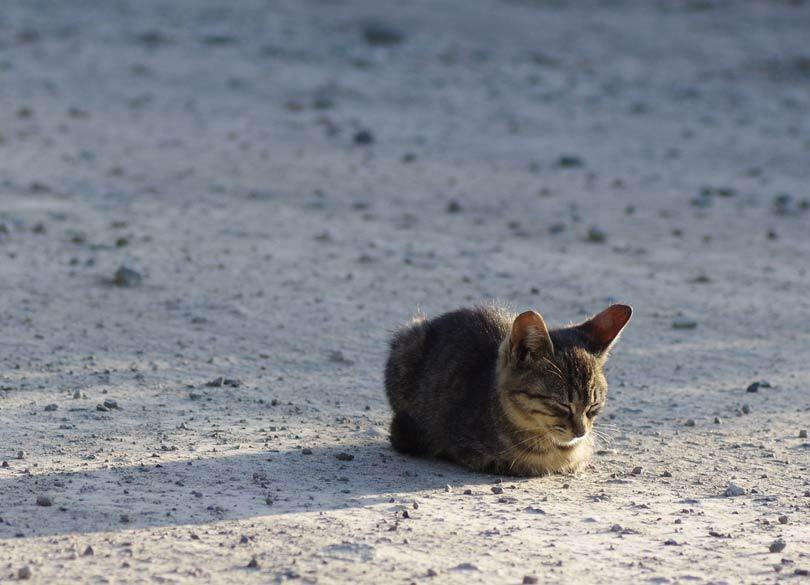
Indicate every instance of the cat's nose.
{"type": "Point", "coordinates": [578, 430]}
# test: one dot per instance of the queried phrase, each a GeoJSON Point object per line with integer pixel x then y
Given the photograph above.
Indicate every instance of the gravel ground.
{"type": "Point", "coordinates": [213, 214]}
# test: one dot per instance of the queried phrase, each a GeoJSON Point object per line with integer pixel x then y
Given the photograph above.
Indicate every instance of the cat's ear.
{"type": "Point", "coordinates": [530, 336]}
{"type": "Point", "coordinates": [602, 331]}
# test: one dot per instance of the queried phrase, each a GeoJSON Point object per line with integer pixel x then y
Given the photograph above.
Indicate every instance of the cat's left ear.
{"type": "Point", "coordinates": [602, 331]}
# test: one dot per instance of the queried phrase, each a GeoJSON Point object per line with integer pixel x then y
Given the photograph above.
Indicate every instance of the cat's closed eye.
{"type": "Point", "coordinates": [594, 411]}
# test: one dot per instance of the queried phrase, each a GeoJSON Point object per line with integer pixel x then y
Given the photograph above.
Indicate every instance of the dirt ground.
{"type": "Point", "coordinates": [290, 180]}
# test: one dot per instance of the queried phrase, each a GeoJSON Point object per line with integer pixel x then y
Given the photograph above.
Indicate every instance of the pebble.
{"type": "Point", "coordinates": [754, 387]}
{"type": "Point", "coordinates": [637, 470]}
{"type": "Point", "coordinates": [77, 394]}
{"type": "Point", "coordinates": [530, 580]}
{"type": "Point", "coordinates": [496, 489]}
{"type": "Point", "coordinates": [381, 34]}
{"type": "Point", "coordinates": [344, 457]}
{"type": "Point", "coordinates": [51, 407]}
{"type": "Point", "coordinates": [124, 518]}
{"type": "Point", "coordinates": [24, 573]}
{"type": "Point", "coordinates": [4, 464]}
{"type": "Point", "coordinates": [803, 434]}
{"type": "Point", "coordinates": [684, 324]}
{"type": "Point", "coordinates": [596, 235]}
{"type": "Point", "coordinates": [616, 528]}
{"type": "Point", "coordinates": [733, 490]}
{"type": "Point", "coordinates": [20, 454]}
{"type": "Point", "coordinates": [690, 422]}
{"type": "Point", "coordinates": [306, 451]}
{"type": "Point", "coordinates": [127, 278]}
{"type": "Point", "coordinates": [253, 564]}
{"type": "Point", "coordinates": [783, 519]}
{"type": "Point", "coordinates": [569, 161]}
{"type": "Point", "coordinates": [777, 546]}
{"type": "Point", "coordinates": [718, 420]}
{"type": "Point", "coordinates": [666, 474]}
{"type": "Point", "coordinates": [111, 404]}
{"type": "Point", "coordinates": [453, 206]}
{"type": "Point", "coordinates": [363, 137]}
{"type": "Point", "coordinates": [746, 409]}
{"type": "Point", "coordinates": [88, 552]}
{"type": "Point", "coordinates": [44, 501]}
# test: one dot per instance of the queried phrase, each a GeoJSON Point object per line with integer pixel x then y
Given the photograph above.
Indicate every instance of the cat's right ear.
{"type": "Point", "coordinates": [529, 336]}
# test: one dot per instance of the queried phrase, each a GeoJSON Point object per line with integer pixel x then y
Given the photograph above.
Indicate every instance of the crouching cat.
{"type": "Point", "coordinates": [500, 393]}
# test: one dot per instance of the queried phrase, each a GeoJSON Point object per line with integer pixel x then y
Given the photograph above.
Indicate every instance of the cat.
{"type": "Point", "coordinates": [500, 393]}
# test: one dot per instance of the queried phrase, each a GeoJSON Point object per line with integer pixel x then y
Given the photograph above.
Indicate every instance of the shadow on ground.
{"type": "Point", "coordinates": [229, 487]}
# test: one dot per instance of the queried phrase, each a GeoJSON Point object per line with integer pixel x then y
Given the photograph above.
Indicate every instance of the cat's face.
{"type": "Point", "coordinates": [553, 384]}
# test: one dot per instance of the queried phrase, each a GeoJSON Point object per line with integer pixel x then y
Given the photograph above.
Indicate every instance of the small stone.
{"type": "Point", "coordinates": [666, 474]}
{"type": "Point", "coordinates": [124, 518]}
{"type": "Point", "coordinates": [216, 382]}
{"type": "Point", "coordinates": [88, 552]}
{"type": "Point", "coordinates": [754, 387]}
{"type": "Point", "coordinates": [4, 464]}
{"type": "Point", "coordinates": [406, 514]}
{"type": "Point", "coordinates": [530, 580]}
{"type": "Point", "coordinates": [306, 451]}
{"type": "Point", "coordinates": [448, 488]}
{"type": "Point", "coordinates": [718, 420]}
{"type": "Point", "coordinates": [746, 409]}
{"type": "Point", "coordinates": [616, 528]}
{"type": "Point", "coordinates": [453, 206]}
{"type": "Point", "coordinates": [777, 546]}
{"type": "Point", "coordinates": [44, 501]}
{"type": "Point", "coordinates": [803, 434]}
{"type": "Point", "coordinates": [111, 404]}
{"type": "Point", "coordinates": [569, 161]}
{"type": "Point", "coordinates": [596, 235]}
{"type": "Point", "coordinates": [24, 573]}
{"type": "Point", "coordinates": [467, 492]}
{"type": "Point", "coordinates": [51, 408]}
{"type": "Point", "coordinates": [363, 137]}
{"type": "Point", "coordinates": [802, 572]}
{"type": "Point", "coordinates": [432, 573]}
{"type": "Point", "coordinates": [243, 539]}
{"type": "Point", "coordinates": [253, 564]}
{"type": "Point", "coordinates": [783, 519]}
{"type": "Point", "coordinates": [684, 324]}
{"type": "Point", "coordinates": [20, 454]}
{"type": "Point", "coordinates": [496, 489]}
{"type": "Point", "coordinates": [671, 542]}
{"type": "Point", "coordinates": [690, 422]}
{"type": "Point", "coordinates": [77, 394]}
{"type": "Point", "coordinates": [127, 278]}
{"type": "Point", "coordinates": [102, 408]}
{"type": "Point", "coordinates": [637, 470]}
{"type": "Point", "coordinates": [381, 34]}
{"type": "Point", "coordinates": [733, 490]}
{"type": "Point", "coordinates": [344, 457]}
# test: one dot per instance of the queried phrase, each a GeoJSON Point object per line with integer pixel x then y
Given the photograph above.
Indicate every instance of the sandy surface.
{"type": "Point", "coordinates": [215, 151]}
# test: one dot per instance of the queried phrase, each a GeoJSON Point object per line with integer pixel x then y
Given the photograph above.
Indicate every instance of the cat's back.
{"type": "Point", "coordinates": [436, 354]}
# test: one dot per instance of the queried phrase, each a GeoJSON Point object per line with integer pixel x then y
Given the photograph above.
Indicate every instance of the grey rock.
{"type": "Point", "coordinates": [127, 278]}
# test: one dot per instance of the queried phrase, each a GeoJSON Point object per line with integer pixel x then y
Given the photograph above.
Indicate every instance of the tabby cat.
{"type": "Point", "coordinates": [500, 393]}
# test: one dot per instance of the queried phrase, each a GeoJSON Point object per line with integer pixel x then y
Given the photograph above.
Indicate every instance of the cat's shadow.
{"type": "Point", "coordinates": [167, 491]}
